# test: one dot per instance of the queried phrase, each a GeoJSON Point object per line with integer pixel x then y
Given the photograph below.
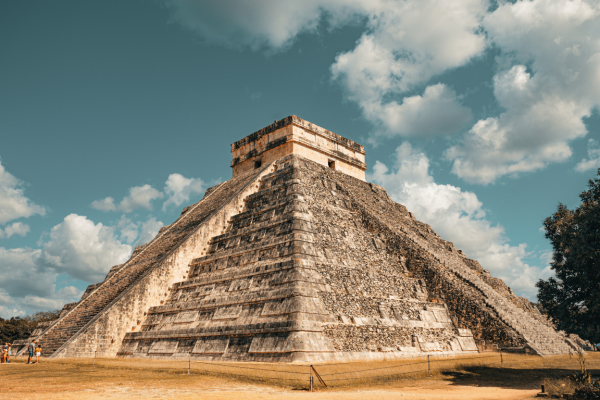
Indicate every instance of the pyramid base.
{"type": "Point", "coordinates": [310, 357]}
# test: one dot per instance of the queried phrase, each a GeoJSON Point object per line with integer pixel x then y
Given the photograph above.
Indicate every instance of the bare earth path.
{"type": "Point", "coordinates": [136, 379]}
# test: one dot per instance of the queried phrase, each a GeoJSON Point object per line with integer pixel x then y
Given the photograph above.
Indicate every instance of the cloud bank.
{"type": "Point", "coordinates": [178, 190]}
{"type": "Point", "coordinates": [78, 248]}
{"type": "Point", "coordinates": [13, 203]}
{"type": "Point", "coordinates": [139, 197]}
{"type": "Point", "coordinates": [547, 76]}
{"type": "Point", "coordinates": [17, 228]}
{"type": "Point", "coordinates": [545, 103]}
{"type": "Point", "coordinates": [270, 25]}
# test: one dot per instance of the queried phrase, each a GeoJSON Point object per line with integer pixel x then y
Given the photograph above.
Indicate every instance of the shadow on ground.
{"type": "Point", "coordinates": [507, 377]}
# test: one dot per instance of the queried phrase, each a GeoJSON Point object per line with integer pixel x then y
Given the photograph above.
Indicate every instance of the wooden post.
{"type": "Point", "coordinates": [318, 376]}
{"type": "Point", "coordinates": [428, 365]}
{"type": "Point", "coordinates": [311, 378]}
{"type": "Point", "coordinates": [501, 360]}
{"type": "Point", "coordinates": [189, 363]}
{"type": "Point", "coordinates": [95, 355]}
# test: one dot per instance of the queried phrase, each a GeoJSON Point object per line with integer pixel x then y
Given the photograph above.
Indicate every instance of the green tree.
{"type": "Point", "coordinates": [18, 328]}
{"type": "Point", "coordinates": [572, 299]}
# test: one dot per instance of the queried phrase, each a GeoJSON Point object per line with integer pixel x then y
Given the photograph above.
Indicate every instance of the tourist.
{"type": "Point", "coordinates": [3, 351]}
{"type": "Point", "coordinates": [38, 353]}
{"type": "Point", "coordinates": [8, 352]}
{"type": "Point", "coordinates": [31, 349]}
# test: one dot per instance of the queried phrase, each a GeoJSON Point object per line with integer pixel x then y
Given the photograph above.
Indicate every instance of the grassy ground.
{"type": "Point", "coordinates": [474, 377]}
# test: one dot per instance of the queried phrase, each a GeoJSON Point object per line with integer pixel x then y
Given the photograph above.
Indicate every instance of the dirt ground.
{"type": "Point", "coordinates": [517, 378]}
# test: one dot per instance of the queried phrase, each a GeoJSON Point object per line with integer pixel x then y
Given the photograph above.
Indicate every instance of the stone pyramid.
{"type": "Point", "coordinates": [297, 258]}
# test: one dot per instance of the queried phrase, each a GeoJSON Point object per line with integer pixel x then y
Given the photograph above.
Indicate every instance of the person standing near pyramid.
{"type": "Point", "coordinates": [3, 353]}
{"type": "Point", "coordinates": [38, 353]}
{"type": "Point", "coordinates": [31, 349]}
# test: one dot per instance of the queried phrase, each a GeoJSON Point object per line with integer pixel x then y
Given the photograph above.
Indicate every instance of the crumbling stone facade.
{"type": "Point", "coordinates": [296, 260]}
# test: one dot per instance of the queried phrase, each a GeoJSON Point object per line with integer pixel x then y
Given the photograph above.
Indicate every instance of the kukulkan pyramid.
{"type": "Point", "coordinates": [298, 258]}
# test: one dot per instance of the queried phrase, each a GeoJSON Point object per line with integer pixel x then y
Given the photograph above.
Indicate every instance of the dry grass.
{"type": "Point", "coordinates": [58, 377]}
{"type": "Point", "coordinates": [558, 387]}
{"type": "Point", "coordinates": [510, 370]}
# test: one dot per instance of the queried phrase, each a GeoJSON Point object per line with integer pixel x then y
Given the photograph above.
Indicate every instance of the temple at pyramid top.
{"type": "Point", "coordinates": [293, 135]}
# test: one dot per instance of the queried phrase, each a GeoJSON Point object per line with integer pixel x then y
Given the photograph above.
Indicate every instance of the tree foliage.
{"type": "Point", "coordinates": [572, 299]}
{"type": "Point", "coordinates": [17, 328]}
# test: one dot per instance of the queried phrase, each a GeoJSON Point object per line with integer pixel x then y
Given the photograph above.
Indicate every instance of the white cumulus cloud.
{"type": "Point", "coordinates": [148, 231]}
{"type": "Point", "coordinates": [28, 286]}
{"type": "Point", "coordinates": [77, 247]}
{"type": "Point", "coordinates": [560, 42]}
{"type": "Point", "coordinates": [547, 76]}
{"type": "Point", "coordinates": [457, 216]}
{"type": "Point", "coordinates": [84, 250]}
{"type": "Point", "coordinates": [260, 24]}
{"type": "Point", "coordinates": [406, 44]}
{"type": "Point", "coordinates": [436, 112]}
{"type": "Point", "coordinates": [178, 189]}
{"type": "Point", "coordinates": [56, 301]}
{"type": "Point", "coordinates": [139, 197]}
{"type": "Point", "coordinates": [13, 203]}
{"type": "Point", "coordinates": [17, 228]}
{"type": "Point", "coordinates": [128, 229]}
{"type": "Point", "coordinates": [593, 162]}
{"type": "Point", "coordinates": [21, 273]}
{"type": "Point", "coordinates": [106, 204]}
{"type": "Point", "coordinates": [143, 231]}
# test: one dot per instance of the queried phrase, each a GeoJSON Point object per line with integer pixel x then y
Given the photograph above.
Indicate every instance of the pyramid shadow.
{"type": "Point", "coordinates": [529, 378]}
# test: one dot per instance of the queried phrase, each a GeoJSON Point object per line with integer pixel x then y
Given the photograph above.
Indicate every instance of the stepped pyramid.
{"type": "Point", "coordinates": [297, 258]}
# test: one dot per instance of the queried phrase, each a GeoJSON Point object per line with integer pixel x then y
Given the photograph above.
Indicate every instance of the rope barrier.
{"type": "Point", "coordinates": [260, 369]}
{"type": "Point", "coordinates": [403, 365]}
{"type": "Point", "coordinates": [461, 358]}
{"type": "Point", "coordinates": [374, 369]}
{"type": "Point", "coordinates": [437, 359]}
{"type": "Point", "coordinates": [394, 374]}
{"type": "Point", "coordinates": [259, 377]}
{"type": "Point", "coordinates": [506, 361]}
{"type": "Point", "coordinates": [377, 376]}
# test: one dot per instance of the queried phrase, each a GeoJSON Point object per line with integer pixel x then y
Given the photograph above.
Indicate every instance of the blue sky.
{"type": "Point", "coordinates": [479, 116]}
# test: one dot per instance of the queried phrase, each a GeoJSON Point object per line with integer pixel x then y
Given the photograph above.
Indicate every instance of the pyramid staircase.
{"type": "Point", "coordinates": [254, 292]}
{"type": "Point", "coordinates": [538, 337]}
{"type": "Point", "coordinates": [90, 308]}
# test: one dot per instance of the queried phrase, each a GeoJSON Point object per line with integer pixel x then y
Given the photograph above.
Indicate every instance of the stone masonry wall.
{"type": "Point", "coordinates": [477, 300]}
{"type": "Point", "coordinates": [378, 303]}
